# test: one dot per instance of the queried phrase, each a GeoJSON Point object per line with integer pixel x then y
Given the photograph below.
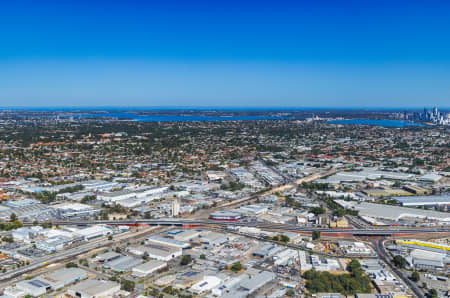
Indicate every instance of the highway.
{"type": "Point", "coordinates": [378, 245]}
{"type": "Point", "coordinates": [372, 231]}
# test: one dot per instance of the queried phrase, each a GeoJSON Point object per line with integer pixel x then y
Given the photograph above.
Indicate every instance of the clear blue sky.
{"type": "Point", "coordinates": [359, 53]}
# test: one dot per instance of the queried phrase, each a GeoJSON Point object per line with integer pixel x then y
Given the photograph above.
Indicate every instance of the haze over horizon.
{"type": "Point", "coordinates": [252, 54]}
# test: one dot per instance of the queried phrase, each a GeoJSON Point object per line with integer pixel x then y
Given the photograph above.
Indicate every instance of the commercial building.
{"type": "Point", "coordinates": [158, 240]}
{"type": "Point", "coordinates": [225, 216]}
{"type": "Point", "coordinates": [51, 282]}
{"type": "Point", "coordinates": [206, 284]}
{"type": "Point", "coordinates": [431, 178]}
{"type": "Point", "coordinates": [148, 268]}
{"type": "Point", "coordinates": [364, 175]}
{"type": "Point", "coordinates": [94, 288]}
{"type": "Point", "coordinates": [94, 232]}
{"type": "Point", "coordinates": [424, 245]}
{"type": "Point", "coordinates": [423, 259]}
{"type": "Point", "coordinates": [253, 209]}
{"type": "Point", "coordinates": [158, 252]}
{"type": "Point", "coordinates": [417, 190]}
{"type": "Point", "coordinates": [74, 210]}
{"type": "Point", "coordinates": [424, 201]}
{"type": "Point", "coordinates": [250, 282]}
{"type": "Point", "coordinates": [175, 208]}
{"type": "Point", "coordinates": [393, 213]}
{"type": "Point", "coordinates": [123, 264]}
{"type": "Point", "coordinates": [183, 235]}
{"type": "Point", "coordinates": [107, 257]}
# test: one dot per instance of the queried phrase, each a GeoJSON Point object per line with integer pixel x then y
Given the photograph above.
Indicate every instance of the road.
{"type": "Point", "coordinates": [379, 247]}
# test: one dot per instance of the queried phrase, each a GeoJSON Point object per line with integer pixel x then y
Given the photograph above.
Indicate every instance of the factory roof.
{"type": "Point", "coordinates": [392, 212]}
{"type": "Point", "coordinates": [66, 274]}
{"type": "Point", "coordinates": [150, 265]}
{"type": "Point", "coordinates": [168, 241]}
{"type": "Point", "coordinates": [424, 200]}
{"type": "Point", "coordinates": [94, 287]}
{"type": "Point", "coordinates": [123, 264]}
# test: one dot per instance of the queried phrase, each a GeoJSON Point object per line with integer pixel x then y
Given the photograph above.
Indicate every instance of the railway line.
{"type": "Point", "coordinates": [373, 231]}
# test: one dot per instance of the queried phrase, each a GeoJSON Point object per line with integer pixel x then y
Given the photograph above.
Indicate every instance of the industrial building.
{"type": "Point", "coordinates": [158, 240]}
{"type": "Point", "coordinates": [94, 232]}
{"type": "Point", "coordinates": [74, 210]}
{"type": "Point", "coordinates": [424, 245]}
{"type": "Point", "coordinates": [424, 201]}
{"type": "Point", "coordinates": [183, 235]}
{"type": "Point", "coordinates": [206, 284]}
{"type": "Point", "coordinates": [123, 264]}
{"type": "Point", "coordinates": [250, 281]}
{"type": "Point", "coordinates": [393, 213]}
{"type": "Point", "coordinates": [158, 252]}
{"type": "Point", "coordinates": [94, 288]}
{"type": "Point", "coordinates": [364, 175]}
{"type": "Point", "coordinates": [423, 259]}
{"type": "Point", "coordinates": [51, 282]}
{"type": "Point", "coordinates": [225, 215]}
{"type": "Point", "coordinates": [417, 190]}
{"type": "Point", "coordinates": [107, 257]}
{"type": "Point", "coordinates": [148, 268]}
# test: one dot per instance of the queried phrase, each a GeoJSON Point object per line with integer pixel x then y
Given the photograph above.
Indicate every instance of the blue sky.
{"type": "Point", "coordinates": [225, 53]}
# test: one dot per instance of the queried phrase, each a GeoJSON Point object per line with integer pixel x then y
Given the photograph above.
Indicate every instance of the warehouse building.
{"type": "Point", "coordinates": [158, 252]}
{"type": "Point", "coordinates": [75, 210]}
{"type": "Point", "coordinates": [431, 178]}
{"type": "Point", "coordinates": [94, 232]}
{"type": "Point", "coordinates": [249, 283]}
{"type": "Point", "coordinates": [417, 190]}
{"type": "Point", "coordinates": [225, 215]}
{"type": "Point", "coordinates": [424, 245]}
{"type": "Point", "coordinates": [167, 241]}
{"type": "Point", "coordinates": [422, 259]}
{"type": "Point", "coordinates": [107, 257]}
{"type": "Point", "coordinates": [123, 264]}
{"type": "Point", "coordinates": [51, 282]}
{"type": "Point", "coordinates": [393, 213]}
{"type": "Point", "coordinates": [183, 235]}
{"type": "Point", "coordinates": [148, 268]}
{"type": "Point", "coordinates": [425, 201]}
{"type": "Point", "coordinates": [206, 284]}
{"type": "Point", "coordinates": [94, 288]}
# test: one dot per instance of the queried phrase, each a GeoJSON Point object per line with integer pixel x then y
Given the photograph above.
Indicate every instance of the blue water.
{"type": "Point", "coordinates": [167, 118]}
{"type": "Point", "coordinates": [384, 123]}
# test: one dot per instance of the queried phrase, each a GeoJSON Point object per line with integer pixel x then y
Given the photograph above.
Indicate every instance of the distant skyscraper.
{"type": "Point", "coordinates": [175, 208]}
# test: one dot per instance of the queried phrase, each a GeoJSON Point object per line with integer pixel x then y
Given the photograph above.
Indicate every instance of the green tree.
{"type": "Point", "coordinates": [317, 210]}
{"type": "Point", "coordinates": [13, 217]}
{"type": "Point", "coordinates": [285, 239]}
{"type": "Point", "coordinates": [399, 261]}
{"type": "Point", "coordinates": [433, 293]}
{"type": "Point", "coordinates": [202, 256]}
{"type": "Point", "coordinates": [315, 235]}
{"type": "Point", "coordinates": [415, 276]}
{"type": "Point", "coordinates": [236, 267]}
{"type": "Point", "coordinates": [353, 266]}
{"type": "Point", "coordinates": [127, 285]}
{"type": "Point", "coordinates": [186, 259]}
{"type": "Point", "coordinates": [290, 293]}
{"type": "Point", "coordinates": [71, 265]}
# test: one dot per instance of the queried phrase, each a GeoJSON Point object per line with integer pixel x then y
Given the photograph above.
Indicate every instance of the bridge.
{"type": "Point", "coordinates": [379, 231]}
